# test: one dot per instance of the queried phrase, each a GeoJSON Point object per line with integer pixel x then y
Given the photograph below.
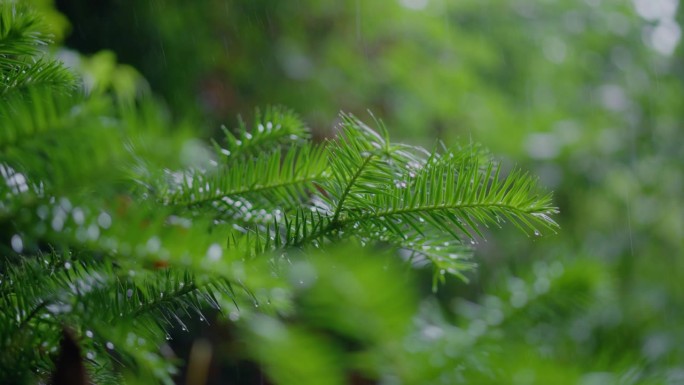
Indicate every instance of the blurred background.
{"type": "Point", "coordinates": [587, 94]}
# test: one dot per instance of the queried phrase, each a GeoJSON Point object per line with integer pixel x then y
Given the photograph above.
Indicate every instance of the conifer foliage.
{"type": "Point", "coordinates": [116, 229]}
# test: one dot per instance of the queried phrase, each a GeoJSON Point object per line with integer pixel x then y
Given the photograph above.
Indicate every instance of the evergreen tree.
{"type": "Point", "coordinates": [117, 228]}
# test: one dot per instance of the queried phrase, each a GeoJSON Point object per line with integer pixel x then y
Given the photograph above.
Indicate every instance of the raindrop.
{"type": "Point", "coordinates": [556, 269]}
{"type": "Point", "coordinates": [477, 328]}
{"type": "Point", "coordinates": [81, 234]}
{"type": "Point", "coordinates": [537, 233]}
{"type": "Point", "coordinates": [42, 212]}
{"type": "Point", "coordinates": [432, 332]}
{"type": "Point", "coordinates": [90, 355]}
{"type": "Point", "coordinates": [17, 243]}
{"type": "Point", "coordinates": [57, 308]}
{"type": "Point", "coordinates": [58, 223]}
{"type": "Point", "coordinates": [78, 216]}
{"type": "Point", "coordinates": [542, 285]}
{"type": "Point", "coordinates": [214, 252]}
{"type": "Point", "coordinates": [153, 245]}
{"type": "Point", "coordinates": [65, 204]}
{"type": "Point", "coordinates": [93, 232]}
{"type": "Point", "coordinates": [67, 265]}
{"type": "Point", "coordinates": [104, 220]}
{"type": "Point", "coordinates": [518, 299]}
{"type": "Point", "coordinates": [110, 345]}
{"type": "Point", "coordinates": [89, 334]}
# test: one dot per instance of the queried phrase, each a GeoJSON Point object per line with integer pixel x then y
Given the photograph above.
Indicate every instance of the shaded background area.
{"type": "Point", "coordinates": [586, 94]}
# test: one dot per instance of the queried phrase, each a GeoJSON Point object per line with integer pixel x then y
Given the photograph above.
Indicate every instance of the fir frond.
{"type": "Point", "coordinates": [20, 32]}
{"type": "Point", "coordinates": [301, 228]}
{"type": "Point", "coordinates": [447, 192]}
{"type": "Point", "coordinates": [380, 191]}
{"type": "Point", "coordinates": [444, 254]}
{"type": "Point", "coordinates": [357, 164]}
{"type": "Point", "coordinates": [274, 127]}
{"type": "Point", "coordinates": [283, 177]}
{"type": "Point", "coordinates": [104, 303]}
{"type": "Point", "coordinates": [56, 293]}
{"type": "Point", "coordinates": [51, 138]}
{"type": "Point", "coordinates": [148, 237]}
{"type": "Point", "coordinates": [36, 72]}
{"type": "Point", "coordinates": [446, 199]}
{"type": "Point", "coordinates": [38, 110]}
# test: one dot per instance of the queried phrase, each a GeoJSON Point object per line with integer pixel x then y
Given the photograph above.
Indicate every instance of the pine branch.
{"type": "Point", "coordinates": [445, 254]}
{"type": "Point", "coordinates": [358, 164]}
{"type": "Point", "coordinates": [281, 178]}
{"type": "Point", "coordinates": [349, 185]}
{"type": "Point", "coordinates": [101, 302]}
{"type": "Point", "coordinates": [449, 192]}
{"type": "Point", "coordinates": [52, 141]}
{"type": "Point", "coordinates": [392, 193]}
{"type": "Point", "coordinates": [275, 127]}
{"type": "Point", "coordinates": [36, 72]}
{"type": "Point", "coordinates": [451, 206]}
{"type": "Point", "coordinates": [20, 32]}
{"type": "Point", "coordinates": [38, 110]}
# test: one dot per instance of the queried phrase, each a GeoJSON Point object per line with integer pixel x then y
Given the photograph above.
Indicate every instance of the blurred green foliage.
{"type": "Point", "coordinates": [589, 94]}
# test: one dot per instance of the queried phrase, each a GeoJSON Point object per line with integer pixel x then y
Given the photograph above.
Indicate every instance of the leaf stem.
{"type": "Point", "coordinates": [345, 193]}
